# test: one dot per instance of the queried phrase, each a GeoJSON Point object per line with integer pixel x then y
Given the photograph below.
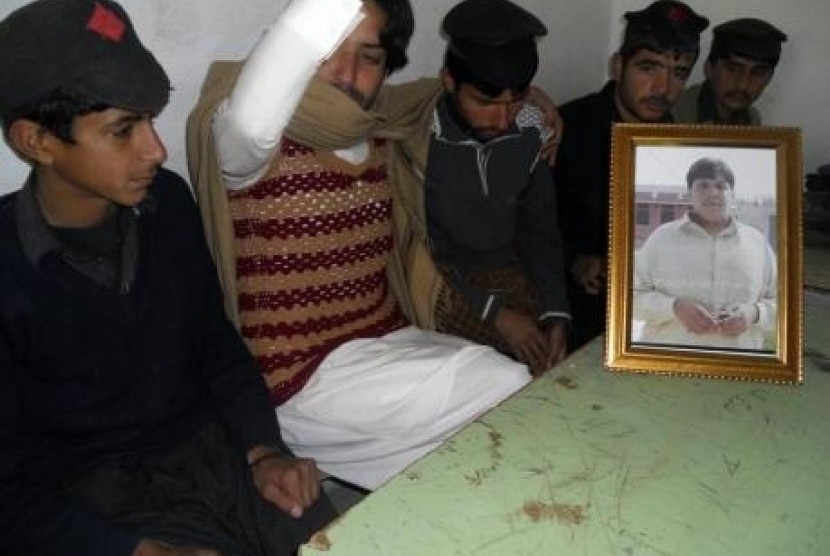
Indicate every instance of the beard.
{"type": "Point", "coordinates": [738, 98]}
{"type": "Point", "coordinates": [658, 105]}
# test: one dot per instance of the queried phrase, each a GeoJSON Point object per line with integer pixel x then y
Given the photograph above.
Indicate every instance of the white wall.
{"type": "Point", "coordinates": [186, 34]}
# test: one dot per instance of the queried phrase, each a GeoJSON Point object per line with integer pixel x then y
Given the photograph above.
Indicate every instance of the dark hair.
{"type": "Point", "coordinates": [514, 81]}
{"type": "Point", "coordinates": [709, 168]}
{"type": "Point", "coordinates": [395, 35]}
{"type": "Point", "coordinates": [653, 45]}
{"type": "Point", "coordinates": [56, 112]}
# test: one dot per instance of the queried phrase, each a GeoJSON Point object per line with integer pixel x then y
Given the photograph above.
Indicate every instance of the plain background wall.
{"type": "Point", "coordinates": [186, 35]}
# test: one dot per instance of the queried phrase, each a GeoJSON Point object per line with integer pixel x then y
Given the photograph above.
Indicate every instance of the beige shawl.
{"type": "Point", "coordinates": [327, 120]}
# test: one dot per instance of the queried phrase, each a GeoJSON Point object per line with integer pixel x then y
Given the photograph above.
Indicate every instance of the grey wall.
{"type": "Point", "coordinates": [187, 34]}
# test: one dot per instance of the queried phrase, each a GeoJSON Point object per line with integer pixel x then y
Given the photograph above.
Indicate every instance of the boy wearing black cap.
{"type": "Point", "coordinates": [659, 48]}
{"type": "Point", "coordinates": [740, 65]}
{"type": "Point", "coordinates": [132, 418]}
{"type": "Point", "coordinates": [490, 204]}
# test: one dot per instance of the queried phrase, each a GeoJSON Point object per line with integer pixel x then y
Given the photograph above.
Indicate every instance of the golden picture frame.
{"type": "Point", "coordinates": [705, 252]}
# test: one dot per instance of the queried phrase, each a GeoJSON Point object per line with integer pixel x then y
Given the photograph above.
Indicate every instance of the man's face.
{"type": "Point", "coordinates": [488, 117]}
{"type": "Point", "coordinates": [711, 201]}
{"type": "Point", "coordinates": [114, 159]}
{"type": "Point", "coordinates": [358, 66]}
{"type": "Point", "coordinates": [650, 82]}
{"type": "Point", "coordinates": [737, 82]}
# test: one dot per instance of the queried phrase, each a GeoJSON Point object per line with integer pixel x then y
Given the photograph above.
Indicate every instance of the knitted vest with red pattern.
{"type": "Point", "coordinates": [312, 241]}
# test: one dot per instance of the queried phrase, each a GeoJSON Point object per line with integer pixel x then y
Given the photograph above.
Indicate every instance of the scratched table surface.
{"type": "Point", "coordinates": [586, 462]}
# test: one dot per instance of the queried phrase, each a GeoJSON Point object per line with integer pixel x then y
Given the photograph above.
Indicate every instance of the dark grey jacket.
{"type": "Point", "coordinates": [493, 205]}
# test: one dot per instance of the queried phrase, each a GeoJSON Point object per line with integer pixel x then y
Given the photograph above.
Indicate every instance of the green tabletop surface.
{"type": "Point", "coordinates": [591, 463]}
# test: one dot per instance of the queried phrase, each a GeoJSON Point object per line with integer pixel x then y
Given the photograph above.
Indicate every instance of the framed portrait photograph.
{"type": "Point", "coordinates": [705, 255]}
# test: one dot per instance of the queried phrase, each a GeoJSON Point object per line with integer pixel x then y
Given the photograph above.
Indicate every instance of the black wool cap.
{"type": "Point", "coordinates": [495, 39]}
{"type": "Point", "coordinates": [750, 38]}
{"type": "Point", "coordinates": [665, 25]}
{"type": "Point", "coordinates": [89, 46]}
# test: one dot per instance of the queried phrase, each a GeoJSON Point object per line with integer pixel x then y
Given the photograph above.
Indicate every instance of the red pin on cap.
{"type": "Point", "coordinates": [678, 14]}
{"type": "Point", "coordinates": [106, 23]}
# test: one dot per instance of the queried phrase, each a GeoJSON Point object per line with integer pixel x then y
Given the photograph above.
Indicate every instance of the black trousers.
{"type": "Point", "coordinates": [588, 312]}
{"type": "Point", "coordinates": [199, 493]}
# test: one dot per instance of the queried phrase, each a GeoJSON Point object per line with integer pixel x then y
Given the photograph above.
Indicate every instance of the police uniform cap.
{"type": "Point", "coordinates": [750, 28]}
{"type": "Point", "coordinates": [750, 38]}
{"type": "Point", "coordinates": [88, 46]}
{"type": "Point", "coordinates": [671, 23]}
{"type": "Point", "coordinates": [496, 39]}
{"type": "Point", "coordinates": [491, 22]}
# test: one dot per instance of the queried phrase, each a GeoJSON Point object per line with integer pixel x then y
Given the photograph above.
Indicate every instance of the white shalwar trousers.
{"type": "Point", "coordinates": [375, 405]}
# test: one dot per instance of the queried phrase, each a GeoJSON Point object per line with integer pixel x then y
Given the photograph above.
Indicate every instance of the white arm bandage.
{"type": "Point", "coordinates": [248, 125]}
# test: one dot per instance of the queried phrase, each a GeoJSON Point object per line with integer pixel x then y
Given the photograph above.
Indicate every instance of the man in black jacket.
{"type": "Point", "coordinates": [659, 49]}
{"type": "Point", "coordinates": [490, 205]}
{"type": "Point", "coordinates": [132, 419]}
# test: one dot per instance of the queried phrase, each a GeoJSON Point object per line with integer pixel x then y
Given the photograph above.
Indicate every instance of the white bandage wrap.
{"type": "Point", "coordinates": [248, 125]}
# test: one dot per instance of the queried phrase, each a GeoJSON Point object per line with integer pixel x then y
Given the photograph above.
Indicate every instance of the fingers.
{"type": "Point", "coordinates": [549, 152]}
{"type": "Point", "coordinates": [557, 345]}
{"type": "Point", "coordinates": [694, 316]}
{"type": "Point", "coordinates": [701, 321]}
{"type": "Point", "coordinates": [311, 483]}
{"type": "Point", "coordinates": [593, 283]}
{"type": "Point", "coordinates": [702, 324]}
{"type": "Point", "coordinates": [557, 356]}
{"type": "Point", "coordinates": [534, 351]}
{"type": "Point", "coordinates": [550, 147]}
{"type": "Point", "coordinates": [289, 483]}
{"type": "Point", "coordinates": [526, 341]}
{"type": "Point", "coordinates": [733, 325]}
{"type": "Point", "coordinates": [698, 320]}
{"type": "Point", "coordinates": [589, 271]}
{"type": "Point", "coordinates": [592, 286]}
{"type": "Point", "coordinates": [302, 482]}
{"type": "Point", "coordinates": [281, 496]}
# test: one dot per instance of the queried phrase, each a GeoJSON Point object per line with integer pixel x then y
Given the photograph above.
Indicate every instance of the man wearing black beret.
{"type": "Point", "coordinates": [659, 48]}
{"type": "Point", "coordinates": [490, 203]}
{"type": "Point", "coordinates": [133, 421]}
{"type": "Point", "coordinates": [740, 65]}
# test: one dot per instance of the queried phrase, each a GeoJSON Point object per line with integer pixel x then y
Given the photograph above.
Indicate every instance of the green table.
{"type": "Point", "coordinates": [586, 462]}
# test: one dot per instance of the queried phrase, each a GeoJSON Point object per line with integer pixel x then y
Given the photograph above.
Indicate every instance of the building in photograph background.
{"type": "Point", "coordinates": [658, 204]}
